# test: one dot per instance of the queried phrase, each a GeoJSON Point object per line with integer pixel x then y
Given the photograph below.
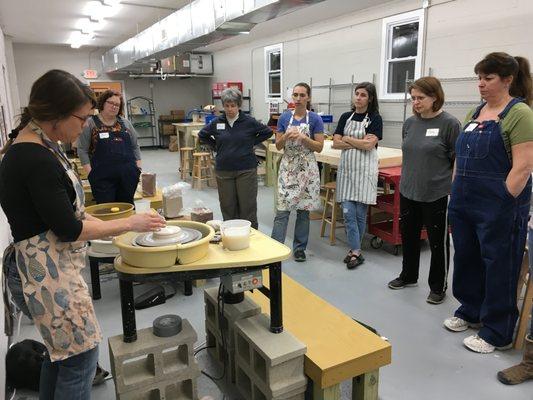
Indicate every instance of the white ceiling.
{"type": "Point", "coordinates": [52, 21]}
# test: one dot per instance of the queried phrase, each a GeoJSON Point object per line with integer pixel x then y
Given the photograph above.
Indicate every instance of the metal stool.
{"type": "Point", "coordinates": [185, 162]}
{"type": "Point", "coordinates": [525, 280]}
{"type": "Point", "coordinates": [332, 217]}
{"type": "Point", "coordinates": [202, 169]}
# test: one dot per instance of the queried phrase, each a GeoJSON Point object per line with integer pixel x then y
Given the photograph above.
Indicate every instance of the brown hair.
{"type": "Point", "coordinates": [105, 96]}
{"type": "Point", "coordinates": [54, 96]}
{"type": "Point", "coordinates": [505, 65]}
{"type": "Point", "coordinates": [308, 90]}
{"type": "Point", "coordinates": [431, 87]}
{"type": "Point", "coordinates": [373, 105]}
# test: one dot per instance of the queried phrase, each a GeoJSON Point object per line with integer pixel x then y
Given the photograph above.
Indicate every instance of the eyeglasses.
{"type": "Point", "coordinates": [83, 119]}
{"type": "Point", "coordinates": [301, 95]}
{"type": "Point", "coordinates": [116, 105]}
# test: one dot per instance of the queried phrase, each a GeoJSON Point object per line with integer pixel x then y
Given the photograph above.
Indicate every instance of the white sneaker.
{"type": "Point", "coordinates": [456, 324]}
{"type": "Point", "coordinates": [478, 345]}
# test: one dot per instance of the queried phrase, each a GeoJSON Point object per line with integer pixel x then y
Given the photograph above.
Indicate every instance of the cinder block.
{"type": "Point", "coordinates": [232, 313]}
{"type": "Point", "coordinates": [165, 390]}
{"type": "Point", "coordinates": [151, 359]}
{"type": "Point", "coordinates": [273, 362]}
{"type": "Point", "coordinates": [217, 352]}
{"type": "Point", "coordinates": [250, 391]}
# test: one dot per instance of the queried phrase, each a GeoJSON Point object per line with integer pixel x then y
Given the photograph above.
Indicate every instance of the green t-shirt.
{"type": "Point", "coordinates": [517, 126]}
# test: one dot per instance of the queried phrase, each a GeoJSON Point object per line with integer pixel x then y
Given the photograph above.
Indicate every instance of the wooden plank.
{"type": "Point", "coordinates": [365, 387]}
{"type": "Point", "coordinates": [338, 348]}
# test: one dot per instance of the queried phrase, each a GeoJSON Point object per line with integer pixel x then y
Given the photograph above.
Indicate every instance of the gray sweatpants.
{"type": "Point", "coordinates": [237, 194]}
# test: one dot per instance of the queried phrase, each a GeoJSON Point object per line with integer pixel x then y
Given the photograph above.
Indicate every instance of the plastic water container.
{"type": "Point", "coordinates": [142, 206]}
{"type": "Point", "coordinates": [235, 234]}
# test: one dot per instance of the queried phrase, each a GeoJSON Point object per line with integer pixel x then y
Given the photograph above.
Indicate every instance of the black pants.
{"type": "Point", "coordinates": [116, 183]}
{"type": "Point", "coordinates": [433, 215]}
{"type": "Point", "coordinates": [237, 194]}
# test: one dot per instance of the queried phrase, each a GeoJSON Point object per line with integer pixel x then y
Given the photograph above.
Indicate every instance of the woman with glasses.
{"type": "Point", "coordinates": [43, 200]}
{"type": "Point", "coordinates": [109, 152]}
{"type": "Point", "coordinates": [300, 133]}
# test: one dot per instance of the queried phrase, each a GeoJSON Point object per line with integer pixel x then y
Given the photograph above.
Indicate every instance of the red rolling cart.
{"type": "Point", "coordinates": [388, 229]}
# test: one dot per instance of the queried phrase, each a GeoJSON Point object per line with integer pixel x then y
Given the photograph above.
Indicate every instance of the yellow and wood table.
{"type": "Point", "coordinates": [338, 348]}
{"type": "Point", "coordinates": [264, 252]}
{"type": "Point", "coordinates": [388, 157]}
{"type": "Point", "coordinates": [184, 132]}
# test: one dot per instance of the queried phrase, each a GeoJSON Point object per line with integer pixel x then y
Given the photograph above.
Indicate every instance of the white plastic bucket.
{"type": "Point", "coordinates": [235, 234]}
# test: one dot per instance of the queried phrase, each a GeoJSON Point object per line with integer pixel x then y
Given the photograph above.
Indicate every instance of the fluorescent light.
{"type": "Point", "coordinates": [98, 11]}
{"type": "Point", "coordinates": [87, 25]}
{"type": "Point", "coordinates": [78, 39]}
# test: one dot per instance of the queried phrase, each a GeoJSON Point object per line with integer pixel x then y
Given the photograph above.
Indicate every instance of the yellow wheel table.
{"type": "Point", "coordinates": [264, 252]}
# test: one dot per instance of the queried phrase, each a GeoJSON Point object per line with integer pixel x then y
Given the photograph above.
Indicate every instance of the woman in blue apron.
{"type": "Point", "coordinates": [109, 152]}
{"type": "Point", "coordinates": [43, 200]}
{"type": "Point", "coordinates": [357, 135]}
{"type": "Point", "coordinates": [489, 203]}
{"type": "Point", "coordinates": [299, 133]}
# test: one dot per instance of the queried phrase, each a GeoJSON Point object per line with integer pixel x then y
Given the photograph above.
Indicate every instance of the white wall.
{"type": "Point", "coordinates": [32, 61]}
{"type": "Point", "coordinates": [459, 33]}
{"type": "Point", "coordinates": [5, 237]}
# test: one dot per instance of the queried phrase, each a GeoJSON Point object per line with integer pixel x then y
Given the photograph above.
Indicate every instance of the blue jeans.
{"type": "Point", "coordinates": [301, 228]}
{"type": "Point", "coordinates": [69, 379]}
{"type": "Point", "coordinates": [354, 214]}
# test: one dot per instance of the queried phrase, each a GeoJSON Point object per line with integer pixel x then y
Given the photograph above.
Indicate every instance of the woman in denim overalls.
{"type": "Point", "coordinates": [489, 203]}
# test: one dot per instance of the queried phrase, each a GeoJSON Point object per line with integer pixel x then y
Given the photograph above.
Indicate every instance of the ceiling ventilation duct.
{"type": "Point", "coordinates": [200, 23]}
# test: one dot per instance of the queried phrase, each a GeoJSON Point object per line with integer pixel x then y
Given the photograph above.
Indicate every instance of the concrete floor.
{"type": "Point", "coordinates": [428, 362]}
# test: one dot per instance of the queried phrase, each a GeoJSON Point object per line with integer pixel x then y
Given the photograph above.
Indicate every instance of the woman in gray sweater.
{"type": "Point", "coordinates": [428, 155]}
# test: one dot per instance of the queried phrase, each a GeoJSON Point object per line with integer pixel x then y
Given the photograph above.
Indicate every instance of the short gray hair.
{"type": "Point", "coordinates": [231, 95]}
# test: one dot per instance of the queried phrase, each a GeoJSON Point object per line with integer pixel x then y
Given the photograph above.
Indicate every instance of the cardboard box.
{"type": "Point", "coordinates": [177, 113]}
{"type": "Point", "coordinates": [169, 129]}
{"type": "Point", "coordinates": [173, 143]}
{"type": "Point", "coordinates": [166, 117]}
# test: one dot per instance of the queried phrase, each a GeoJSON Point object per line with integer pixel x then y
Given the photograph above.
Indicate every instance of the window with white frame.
{"type": "Point", "coordinates": [273, 72]}
{"type": "Point", "coordinates": [401, 52]}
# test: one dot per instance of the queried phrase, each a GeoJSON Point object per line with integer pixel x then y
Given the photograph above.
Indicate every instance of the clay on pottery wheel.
{"type": "Point", "coordinates": [114, 209]}
{"type": "Point", "coordinates": [168, 232]}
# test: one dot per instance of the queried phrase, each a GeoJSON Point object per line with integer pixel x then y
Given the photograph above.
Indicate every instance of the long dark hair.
{"type": "Point", "coordinates": [54, 96]}
{"type": "Point", "coordinates": [505, 65]}
{"type": "Point", "coordinates": [373, 105]}
{"type": "Point", "coordinates": [105, 96]}
{"type": "Point", "coordinates": [308, 90]}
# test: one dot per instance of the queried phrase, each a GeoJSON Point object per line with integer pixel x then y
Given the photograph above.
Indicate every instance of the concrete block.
{"type": "Point", "coordinates": [273, 362]}
{"type": "Point", "coordinates": [165, 390]}
{"type": "Point", "coordinates": [217, 352]}
{"type": "Point", "coordinates": [232, 313]}
{"type": "Point", "coordinates": [249, 390]}
{"type": "Point", "coordinates": [151, 359]}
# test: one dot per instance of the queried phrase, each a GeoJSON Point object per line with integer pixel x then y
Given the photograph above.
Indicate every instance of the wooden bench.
{"type": "Point", "coordinates": [338, 348]}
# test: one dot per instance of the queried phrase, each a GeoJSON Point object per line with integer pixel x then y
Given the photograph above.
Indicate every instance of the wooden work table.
{"type": "Point", "coordinates": [338, 348]}
{"type": "Point", "coordinates": [184, 132]}
{"type": "Point", "coordinates": [155, 201]}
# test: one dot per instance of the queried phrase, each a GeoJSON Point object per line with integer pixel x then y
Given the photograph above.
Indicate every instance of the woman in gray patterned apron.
{"type": "Point", "coordinates": [357, 135]}
{"type": "Point", "coordinates": [299, 133]}
{"type": "Point", "coordinates": [43, 200]}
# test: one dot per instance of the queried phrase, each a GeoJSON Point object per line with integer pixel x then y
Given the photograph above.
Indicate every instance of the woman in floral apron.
{"type": "Point", "coordinates": [357, 135]}
{"type": "Point", "coordinates": [300, 133]}
{"type": "Point", "coordinates": [43, 200]}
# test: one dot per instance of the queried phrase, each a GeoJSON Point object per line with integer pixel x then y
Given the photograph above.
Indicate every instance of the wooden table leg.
{"type": "Point", "coordinates": [329, 393]}
{"type": "Point", "coordinates": [365, 386]}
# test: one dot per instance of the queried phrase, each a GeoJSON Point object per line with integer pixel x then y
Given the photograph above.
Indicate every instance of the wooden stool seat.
{"type": "Point", "coordinates": [525, 281]}
{"type": "Point", "coordinates": [185, 162]}
{"type": "Point", "coordinates": [202, 169]}
{"type": "Point", "coordinates": [330, 216]}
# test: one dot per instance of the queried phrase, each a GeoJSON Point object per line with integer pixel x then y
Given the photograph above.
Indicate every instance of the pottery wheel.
{"type": "Point", "coordinates": [186, 235]}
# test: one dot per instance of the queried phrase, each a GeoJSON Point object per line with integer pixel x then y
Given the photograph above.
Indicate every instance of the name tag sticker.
{"type": "Point", "coordinates": [432, 132]}
{"type": "Point", "coordinates": [221, 126]}
{"type": "Point", "coordinates": [104, 135]}
{"type": "Point", "coordinates": [471, 127]}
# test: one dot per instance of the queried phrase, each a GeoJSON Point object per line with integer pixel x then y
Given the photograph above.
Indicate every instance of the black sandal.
{"type": "Point", "coordinates": [355, 261]}
{"type": "Point", "coordinates": [348, 257]}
